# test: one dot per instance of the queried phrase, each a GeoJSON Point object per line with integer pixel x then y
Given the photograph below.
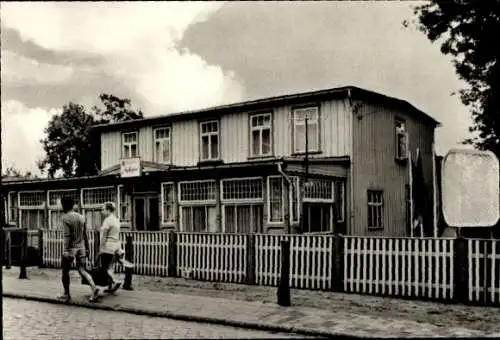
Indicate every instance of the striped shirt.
{"type": "Point", "coordinates": [74, 229]}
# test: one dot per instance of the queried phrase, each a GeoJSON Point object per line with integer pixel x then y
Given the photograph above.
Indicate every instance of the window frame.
{"type": "Point", "coordinates": [206, 206]}
{"type": "Point", "coordinates": [397, 133]}
{"type": "Point", "coordinates": [162, 140]}
{"type": "Point", "coordinates": [235, 206]}
{"type": "Point", "coordinates": [295, 123]}
{"type": "Point", "coordinates": [323, 205]}
{"type": "Point", "coordinates": [297, 197]}
{"type": "Point", "coordinates": [128, 203]}
{"type": "Point", "coordinates": [209, 134]}
{"type": "Point", "coordinates": [129, 144]}
{"type": "Point", "coordinates": [268, 203]}
{"type": "Point", "coordinates": [375, 205]}
{"type": "Point", "coordinates": [241, 200]}
{"type": "Point", "coordinates": [164, 203]}
{"type": "Point", "coordinates": [260, 129]}
{"type": "Point", "coordinates": [11, 208]}
{"type": "Point", "coordinates": [42, 206]}
{"type": "Point", "coordinates": [195, 202]}
{"type": "Point", "coordinates": [96, 205]}
{"type": "Point", "coordinates": [57, 208]}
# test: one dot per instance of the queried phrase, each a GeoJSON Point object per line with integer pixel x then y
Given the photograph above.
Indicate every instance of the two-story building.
{"type": "Point", "coordinates": [243, 168]}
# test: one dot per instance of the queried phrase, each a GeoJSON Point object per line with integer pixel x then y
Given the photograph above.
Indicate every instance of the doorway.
{"type": "Point", "coordinates": [147, 214]}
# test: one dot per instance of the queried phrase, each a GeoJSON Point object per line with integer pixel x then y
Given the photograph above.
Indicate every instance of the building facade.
{"type": "Point", "coordinates": [244, 168]}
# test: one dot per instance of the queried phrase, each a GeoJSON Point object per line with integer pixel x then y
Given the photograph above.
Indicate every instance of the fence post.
{"type": "Point", "coordinates": [172, 254]}
{"type": "Point", "coordinates": [461, 269]}
{"type": "Point", "coordinates": [284, 283]}
{"type": "Point", "coordinates": [40, 249]}
{"type": "Point", "coordinates": [338, 263]}
{"type": "Point", "coordinates": [9, 249]}
{"type": "Point", "coordinates": [24, 254]}
{"type": "Point", "coordinates": [129, 256]}
{"type": "Point", "coordinates": [250, 257]}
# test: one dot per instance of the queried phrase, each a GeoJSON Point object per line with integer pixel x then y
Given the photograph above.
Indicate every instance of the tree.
{"type": "Point", "coordinates": [469, 30]}
{"type": "Point", "coordinates": [11, 171]}
{"type": "Point", "coordinates": [69, 144]}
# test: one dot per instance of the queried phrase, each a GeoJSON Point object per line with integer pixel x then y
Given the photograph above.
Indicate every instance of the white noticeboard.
{"type": "Point", "coordinates": [130, 167]}
{"type": "Point", "coordinates": [470, 188]}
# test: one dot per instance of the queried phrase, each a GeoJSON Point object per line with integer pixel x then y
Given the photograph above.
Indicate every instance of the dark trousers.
{"type": "Point", "coordinates": [106, 263]}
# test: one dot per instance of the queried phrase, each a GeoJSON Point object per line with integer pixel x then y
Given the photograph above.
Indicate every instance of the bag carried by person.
{"type": "Point", "coordinates": [98, 275]}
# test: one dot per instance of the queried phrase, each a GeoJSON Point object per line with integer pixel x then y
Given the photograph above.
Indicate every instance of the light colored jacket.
{"type": "Point", "coordinates": [110, 235]}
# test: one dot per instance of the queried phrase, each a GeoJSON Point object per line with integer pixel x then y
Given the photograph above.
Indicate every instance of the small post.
{"type": "Point", "coordinates": [24, 254]}
{"type": "Point", "coordinates": [461, 269]}
{"type": "Point", "coordinates": [338, 263]}
{"type": "Point", "coordinates": [40, 249]}
{"type": "Point", "coordinates": [250, 255]}
{"type": "Point", "coordinates": [172, 254]}
{"type": "Point", "coordinates": [129, 256]}
{"type": "Point", "coordinates": [9, 249]}
{"type": "Point", "coordinates": [284, 284]}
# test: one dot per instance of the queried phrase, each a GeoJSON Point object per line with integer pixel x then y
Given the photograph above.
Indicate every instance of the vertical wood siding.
{"type": "Point", "coordinates": [374, 166]}
{"type": "Point", "coordinates": [335, 120]}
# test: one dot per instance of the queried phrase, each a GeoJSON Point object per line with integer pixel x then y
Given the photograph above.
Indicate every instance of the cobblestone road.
{"type": "Point", "coordinates": [36, 320]}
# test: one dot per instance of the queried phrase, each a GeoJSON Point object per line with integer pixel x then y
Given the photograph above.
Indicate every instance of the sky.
{"type": "Point", "coordinates": [168, 57]}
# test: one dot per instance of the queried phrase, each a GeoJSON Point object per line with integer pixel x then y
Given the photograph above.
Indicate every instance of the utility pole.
{"type": "Point", "coordinates": [306, 177]}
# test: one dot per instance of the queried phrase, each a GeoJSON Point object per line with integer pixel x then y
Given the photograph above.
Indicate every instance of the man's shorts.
{"type": "Point", "coordinates": [77, 254]}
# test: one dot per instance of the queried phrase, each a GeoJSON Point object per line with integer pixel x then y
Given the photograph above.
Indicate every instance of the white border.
{"type": "Point", "coordinates": [260, 128]}
{"type": "Point", "coordinates": [169, 128]}
{"type": "Point", "coordinates": [317, 120]}
{"type": "Point", "coordinates": [210, 134]}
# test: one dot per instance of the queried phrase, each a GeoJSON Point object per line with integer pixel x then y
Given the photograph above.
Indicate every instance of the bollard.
{"type": "Point", "coordinates": [129, 256]}
{"type": "Point", "coordinates": [24, 254]}
{"type": "Point", "coordinates": [284, 284]}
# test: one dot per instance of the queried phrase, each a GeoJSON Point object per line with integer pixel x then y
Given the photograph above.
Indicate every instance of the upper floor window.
{"type": "Point", "coordinates": [209, 139]}
{"type": "Point", "coordinates": [260, 129]}
{"type": "Point", "coordinates": [401, 139]}
{"type": "Point", "coordinates": [300, 117]}
{"type": "Point", "coordinates": [162, 145]}
{"type": "Point", "coordinates": [129, 144]}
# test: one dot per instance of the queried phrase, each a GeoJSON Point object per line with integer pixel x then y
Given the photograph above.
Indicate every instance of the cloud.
{"type": "Point", "coordinates": [22, 129]}
{"type": "Point", "coordinates": [139, 43]}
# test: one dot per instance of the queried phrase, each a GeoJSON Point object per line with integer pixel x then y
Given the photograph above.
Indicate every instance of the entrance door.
{"type": "Point", "coordinates": [146, 213]}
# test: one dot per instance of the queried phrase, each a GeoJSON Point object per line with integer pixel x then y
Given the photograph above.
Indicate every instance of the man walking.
{"type": "Point", "coordinates": [109, 244]}
{"type": "Point", "coordinates": [76, 247]}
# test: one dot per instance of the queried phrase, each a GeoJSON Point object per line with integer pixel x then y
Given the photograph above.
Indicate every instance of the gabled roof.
{"type": "Point", "coordinates": [265, 103]}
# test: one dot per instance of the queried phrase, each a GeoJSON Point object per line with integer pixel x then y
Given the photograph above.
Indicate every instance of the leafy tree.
{"type": "Point", "coordinates": [11, 171]}
{"type": "Point", "coordinates": [69, 144]}
{"type": "Point", "coordinates": [469, 31]}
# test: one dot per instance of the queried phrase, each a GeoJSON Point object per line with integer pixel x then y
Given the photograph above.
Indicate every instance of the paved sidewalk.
{"type": "Point", "coordinates": [255, 315]}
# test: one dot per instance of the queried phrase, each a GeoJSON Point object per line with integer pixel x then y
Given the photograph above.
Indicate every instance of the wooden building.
{"type": "Point", "coordinates": [241, 168]}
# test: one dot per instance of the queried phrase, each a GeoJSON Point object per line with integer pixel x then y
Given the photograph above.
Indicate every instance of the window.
{"type": "Point", "coordinates": [318, 190]}
{"type": "Point", "coordinates": [55, 207]}
{"type": "Point", "coordinates": [162, 145]}
{"type": "Point", "coordinates": [401, 140]}
{"type": "Point", "coordinates": [167, 194]}
{"type": "Point", "coordinates": [199, 218]}
{"type": "Point", "coordinates": [129, 142]}
{"type": "Point", "coordinates": [209, 139]}
{"type": "Point", "coordinates": [242, 189]}
{"type": "Point", "coordinates": [294, 199]}
{"type": "Point", "coordinates": [13, 204]}
{"type": "Point", "coordinates": [275, 200]}
{"type": "Point", "coordinates": [96, 197]}
{"type": "Point", "coordinates": [340, 200]}
{"type": "Point", "coordinates": [124, 204]}
{"type": "Point", "coordinates": [197, 191]}
{"type": "Point", "coordinates": [32, 209]}
{"type": "Point", "coordinates": [260, 135]}
{"type": "Point", "coordinates": [243, 219]}
{"type": "Point", "coordinates": [375, 209]}
{"type": "Point", "coordinates": [318, 217]}
{"type": "Point", "coordinates": [299, 119]}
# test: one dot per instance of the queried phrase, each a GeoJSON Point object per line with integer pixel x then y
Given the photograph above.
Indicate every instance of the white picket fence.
{"type": "Point", "coordinates": [53, 246]}
{"type": "Point", "coordinates": [484, 270]}
{"type": "Point", "coordinates": [410, 267]}
{"type": "Point", "coordinates": [311, 259]}
{"type": "Point", "coordinates": [212, 257]}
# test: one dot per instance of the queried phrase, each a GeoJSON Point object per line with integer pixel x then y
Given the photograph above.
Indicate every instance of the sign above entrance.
{"type": "Point", "coordinates": [130, 167]}
{"type": "Point", "coordinates": [470, 188]}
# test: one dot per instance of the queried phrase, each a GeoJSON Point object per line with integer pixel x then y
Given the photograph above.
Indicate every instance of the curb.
{"type": "Point", "coordinates": [189, 318]}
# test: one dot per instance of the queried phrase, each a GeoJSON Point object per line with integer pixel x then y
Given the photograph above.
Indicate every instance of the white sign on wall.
{"type": "Point", "coordinates": [130, 167]}
{"type": "Point", "coordinates": [470, 188]}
